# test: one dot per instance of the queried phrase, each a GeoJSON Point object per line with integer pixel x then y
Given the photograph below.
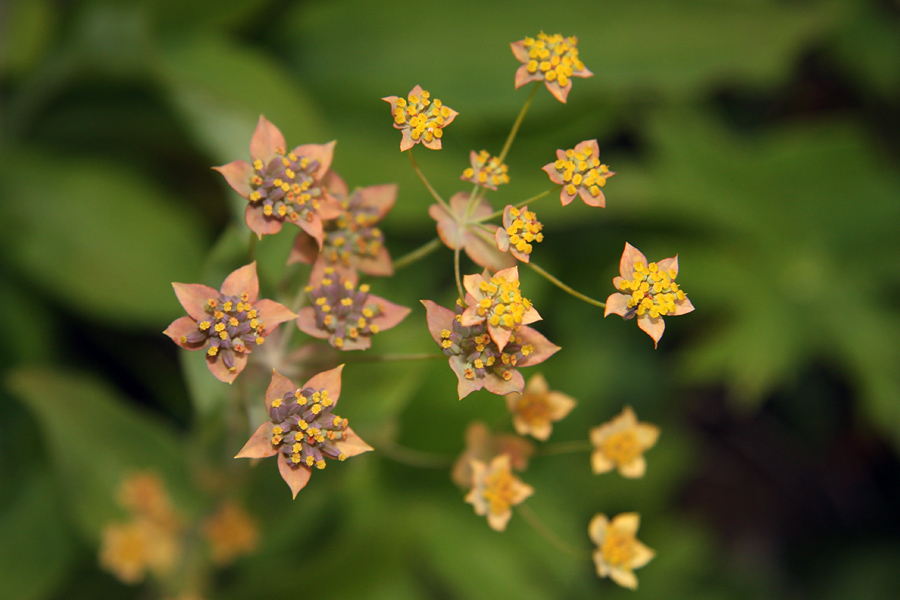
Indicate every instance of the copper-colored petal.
{"type": "Point", "coordinates": [565, 198]}
{"type": "Point", "coordinates": [630, 256]}
{"type": "Point", "coordinates": [379, 265]}
{"type": "Point", "coordinates": [434, 143]}
{"type": "Point", "coordinates": [242, 280]}
{"type": "Point", "coordinates": [329, 207]}
{"type": "Point", "coordinates": [520, 51]}
{"type": "Point", "coordinates": [272, 314]}
{"type": "Point", "coordinates": [380, 197]}
{"type": "Point", "coordinates": [559, 92]}
{"type": "Point", "coordinates": [363, 342]}
{"type": "Point", "coordinates": [313, 227]}
{"type": "Point", "coordinates": [260, 443]}
{"type": "Point", "coordinates": [259, 223]}
{"type": "Point", "coordinates": [652, 327]}
{"type": "Point", "coordinates": [497, 385]}
{"type": "Point", "coordinates": [524, 77]}
{"type": "Point", "coordinates": [438, 318]}
{"type": "Point", "coordinates": [682, 307]}
{"type": "Point", "coordinates": [327, 380]}
{"type": "Point", "coordinates": [278, 387]}
{"type": "Point", "coordinates": [295, 477]}
{"type": "Point", "coordinates": [668, 263]}
{"type": "Point", "coordinates": [193, 298]}
{"type": "Point", "coordinates": [221, 372]}
{"type": "Point", "coordinates": [470, 317]}
{"type": "Point", "coordinates": [266, 142]}
{"type": "Point", "coordinates": [335, 185]}
{"type": "Point", "coordinates": [406, 141]}
{"type": "Point", "coordinates": [543, 348]}
{"type": "Point", "coordinates": [304, 249]}
{"type": "Point", "coordinates": [183, 326]}
{"type": "Point", "coordinates": [391, 314]}
{"type": "Point", "coordinates": [617, 304]}
{"type": "Point", "coordinates": [352, 444]}
{"type": "Point", "coordinates": [237, 173]}
{"type": "Point", "coordinates": [598, 201]}
{"type": "Point", "coordinates": [324, 153]}
{"type": "Point", "coordinates": [481, 247]}
{"type": "Point", "coordinates": [500, 335]}
{"type": "Point", "coordinates": [466, 386]}
{"type": "Point", "coordinates": [306, 322]}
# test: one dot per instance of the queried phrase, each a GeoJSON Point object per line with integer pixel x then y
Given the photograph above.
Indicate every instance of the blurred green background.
{"type": "Point", "coordinates": [758, 140]}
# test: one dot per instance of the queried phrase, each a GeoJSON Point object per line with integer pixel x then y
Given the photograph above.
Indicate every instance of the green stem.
{"type": "Point", "coordinates": [545, 532]}
{"type": "Point", "coordinates": [251, 247]}
{"type": "Point", "coordinates": [515, 127]}
{"type": "Point", "coordinates": [414, 458]}
{"type": "Point", "coordinates": [563, 286]}
{"type": "Point", "coordinates": [417, 254]}
{"type": "Point", "coordinates": [459, 287]}
{"type": "Point", "coordinates": [415, 165]}
{"type": "Point", "coordinates": [575, 446]}
{"type": "Point", "coordinates": [531, 200]}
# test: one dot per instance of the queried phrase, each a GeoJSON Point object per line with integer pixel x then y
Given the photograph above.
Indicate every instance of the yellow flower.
{"type": "Point", "coordinates": [621, 443]}
{"type": "Point", "coordinates": [618, 552]}
{"type": "Point", "coordinates": [420, 118]}
{"type": "Point", "coordinates": [495, 490]}
{"type": "Point", "coordinates": [131, 549]}
{"type": "Point", "coordinates": [231, 532]}
{"type": "Point", "coordinates": [552, 59]}
{"type": "Point", "coordinates": [537, 408]}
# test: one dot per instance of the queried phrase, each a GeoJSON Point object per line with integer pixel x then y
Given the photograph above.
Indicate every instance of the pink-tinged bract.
{"type": "Point", "coordinates": [474, 356]}
{"type": "Point", "coordinates": [552, 59]}
{"type": "Point", "coordinates": [580, 173]}
{"type": "Point", "coordinates": [229, 323]}
{"type": "Point", "coordinates": [283, 186]}
{"type": "Point", "coordinates": [302, 429]}
{"type": "Point", "coordinates": [420, 119]}
{"type": "Point", "coordinates": [520, 230]}
{"type": "Point", "coordinates": [648, 292]}
{"type": "Point", "coordinates": [497, 302]}
{"type": "Point", "coordinates": [457, 228]}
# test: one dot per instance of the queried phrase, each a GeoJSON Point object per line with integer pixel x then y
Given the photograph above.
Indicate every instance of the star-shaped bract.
{"type": "Point", "coordinates": [552, 59]}
{"type": "Point", "coordinates": [458, 227]}
{"type": "Point", "coordinates": [497, 302]}
{"type": "Point", "coordinates": [580, 173]}
{"type": "Point", "coordinates": [420, 118]}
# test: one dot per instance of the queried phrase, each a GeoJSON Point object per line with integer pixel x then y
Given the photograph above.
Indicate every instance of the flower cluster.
{"type": "Point", "coordinates": [486, 170]}
{"type": "Point", "coordinates": [621, 444]}
{"type": "Point", "coordinates": [552, 59]}
{"type": "Point", "coordinates": [495, 490]}
{"type": "Point", "coordinates": [618, 551]}
{"type": "Point", "coordinates": [580, 172]}
{"type": "Point", "coordinates": [302, 429]}
{"type": "Point", "coordinates": [520, 230]}
{"type": "Point", "coordinates": [420, 119]}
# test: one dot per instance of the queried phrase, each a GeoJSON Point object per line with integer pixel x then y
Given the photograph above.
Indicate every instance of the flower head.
{"type": "Point", "coordinates": [475, 356]}
{"type": "Point", "coordinates": [580, 172]}
{"type": "Point", "coordinates": [621, 444]}
{"type": "Point", "coordinates": [495, 490]}
{"type": "Point", "coordinates": [420, 118]}
{"type": "Point", "coordinates": [229, 323]}
{"type": "Point", "coordinates": [283, 186]}
{"type": "Point", "coordinates": [353, 241]}
{"type": "Point", "coordinates": [520, 230]}
{"type": "Point", "coordinates": [648, 291]}
{"type": "Point", "coordinates": [345, 315]}
{"type": "Point", "coordinates": [497, 302]}
{"type": "Point", "coordinates": [482, 445]}
{"type": "Point", "coordinates": [302, 430]}
{"type": "Point", "coordinates": [535, 409]}
{"type": "Point", "coordinates": [486, 170]}
{"type": "Point", "coordinates": [552, 59]}
{"type": "Point", "coordinates": [231, 532]}
{"type": "Point", "coordinates": [618, 551]}
{"type": "Point", "coordinates": [460, 227]}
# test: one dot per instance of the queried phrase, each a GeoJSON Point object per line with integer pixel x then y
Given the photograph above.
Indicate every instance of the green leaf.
{"type": "Point", "coordinates": [105, 241]}
{"type": "Point", "coordinates": [94, 439]}
{"type": "Point", "coordinates": [37, 550]}
{"type": "Point", "coordinates": [27, 30]}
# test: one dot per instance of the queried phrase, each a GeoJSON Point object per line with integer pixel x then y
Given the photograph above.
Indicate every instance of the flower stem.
{"type": "Point", "coordinates": [571, 447]}
{"type": "Point", "coordinates": [413, 458]}
{"type": "Point", "coordinates": [563, 286]}
{"type": "Point", "coordinates": [415, 165]}
{"type": "Point", "coordinates": [251, 246]}
{"type": "Point", "coordinates": [545, 532]}
{"type": "Point", "coordinates": [515, 127]}
{"type": "Point", "coordinates": [419, 253]}
{"type": "Point", "coordinates": [459, 287]}
{"type": "Point", "coordinates": [531, 200]}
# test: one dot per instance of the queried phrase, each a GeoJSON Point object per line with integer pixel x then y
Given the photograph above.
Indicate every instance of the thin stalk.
{"type": "Point", "coordinates": [531, 200]}
{"type": "Point", "coordinates": [545, 532]}
{"type": "Point", "coordinates": [414, 458]}
{"type": "Point", "coordinates": [571, 447]}
{"type": "Point", "coordinates": [417, 254]}
{"type": "Point", "coordinates": [515, 127]}
{"type": "Point", "coordinates": [415, 165]}
{"type": "Point", "coordinates": [563, 286]}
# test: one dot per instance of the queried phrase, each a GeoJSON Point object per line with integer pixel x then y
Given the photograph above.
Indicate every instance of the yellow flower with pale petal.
{"type": "Point", "coordinates": [495, 490]}
{"type": "Point", "coordinates": [621, 443]}
{"type": "Point", "coordinates": [618, 551]}
{"type": "Point", "coordinates": [535, 410]}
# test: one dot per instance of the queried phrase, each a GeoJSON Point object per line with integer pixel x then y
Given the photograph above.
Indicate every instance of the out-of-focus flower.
{"type": "Point", "coordinates": [475, 357]}
{"type": "Point", "coordinates": [144, 495]}
{"type": "Point", "coordinates": [482, 445]}
{"type": "Point", "coordinates": [495, 490]}
{"type": "Point", "coordinates": [283, 186]}
{"type": "Point", "coordinates": [345, 315]}
{"type": "Point", "coordinates": [302, 429]}
{"type": "Point", "coordinates": [420, 118]}
{"type": "Point", "coordinates": [648, 291]}
{"type": "Point", "coordinates": [231, 322]}
{"type": "Point", "coordinates": [231, 532]}
{"type": "Point", "coordinates": [486, 170]}
{"type": "Point", "coordinates": [497, 302]}
{"type": "Point", "coordinates": [580, 172]}
{"type": "Point", "coordinates": [457, 227]}
{"type": "Point", "coordinates": [536, 409]}
{"type": "Point", "coordinates": [621, 443]}
{"type": "Point", "coordinates": [520, 229]}
{"type": "Point", "coordinates": [353, 241]}
{"type": "Point", "coordinates": [618, 551]}
{"type": "Point", "coordinates": [552, 59]}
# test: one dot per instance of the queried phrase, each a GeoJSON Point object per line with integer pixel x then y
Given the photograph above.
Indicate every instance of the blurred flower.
{"type": "Point", "coordinates": [302, 430]}
{"type": "Point", "coordinates": [498, 303]}
{"type": "Point", "coordinates": [649, 291]}
{"type": "Point", "coordinates": [520, 229]}
{"type": "Point", "coordinates": [535, 409]}
{"type": "Point", "coordinates": [475, 357]}
{"type": "Point", "coordinates": [456, 227]}
{"type": "Point", "coordinates": [346, 316]}
{"type": "Point", "coordinates": [580, 172]}
{"type": "Point", "coordinates": [283, 186]}
{"type": "Point", "coordinates": [495, 490]}
{"type": "Point", "coordinates": [231, 321]}
{"type": "Point", "coordinates": [420, 118]}
{"type": "Point", "coordinates": [231, 532]}
{"type": "Point", "coordinates": [482, 445]}
{"type": "Point", "coordinates": [486, 170]}
{"type": "Point", "coordinates": [144, 495]}
{"type": "Point", "coordinates": [353, 242]}
{"type": "Point", "coordinates": [552, 59]}
{"type": "Point", "coordinates": [621, 444]}
{"type": "Point", "coordinates": [618, 552]}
